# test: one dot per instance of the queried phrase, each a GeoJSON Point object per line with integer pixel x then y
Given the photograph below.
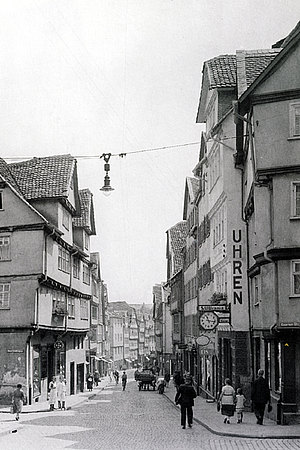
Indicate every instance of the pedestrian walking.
{"type": "Point", "coordinates": [260, 396]}
{"type": "Point", "coordinates": [167, 378]}
{"type": "Point", "coordinates": [227, 400]}
{"type": "Point", "coordinates": [240, 405]}
{"type": "Point", "coordinates": [96, 377]}
{"type": "Point", "coordinates": [18, 399]}
{"type": "Point", "coordinates": [52, 393]}
{"type": "Point", "coordinates": [116, 375]}
{"type": "Point", "coordinates": [177, 379]}
{"type": "Point", "coordinates": [89, 382]}
{"type": "Point", "coordinates": [61, 389]}
{"type": "Point", "coordinates": [124, 380]}
{"type": "Point", "coordinates": [185, 398]}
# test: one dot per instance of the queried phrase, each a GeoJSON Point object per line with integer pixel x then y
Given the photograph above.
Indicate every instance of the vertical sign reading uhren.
{"type": "Point", "coordinates": [237, 267]}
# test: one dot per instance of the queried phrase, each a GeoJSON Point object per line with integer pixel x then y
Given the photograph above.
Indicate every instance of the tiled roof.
{"type": "Point", "coordinates": [86, 218]}
{"type": "Point", "coordinates": [256, 61]}
{"type": "Point", "coordinates": [47, 177]}
{"type": "Point", "coordinates": [222, 71]}
{"type": "Point", "coordinates": [7, 174]}
{"type": "Point", "coordinates": [178, 235]}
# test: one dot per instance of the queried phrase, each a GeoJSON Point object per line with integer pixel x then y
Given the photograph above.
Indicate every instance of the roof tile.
{"type": "Point", "coordinates": [47, 177]}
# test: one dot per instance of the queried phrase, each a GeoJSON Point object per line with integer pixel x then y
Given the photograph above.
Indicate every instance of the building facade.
{"type": "Point", "coordinates": [45, 272]}
{"type": "Point", "coordinates": [268, 113]}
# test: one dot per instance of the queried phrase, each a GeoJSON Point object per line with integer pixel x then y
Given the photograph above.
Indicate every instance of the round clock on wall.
{"type": "Point", "coordinates": [208, 320]}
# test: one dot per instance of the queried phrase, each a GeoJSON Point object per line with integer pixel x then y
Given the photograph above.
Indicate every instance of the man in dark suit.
{"type": "Point", "coordinates": [185, 397]}
{"type": "Point", "coordinates": [260, 396]}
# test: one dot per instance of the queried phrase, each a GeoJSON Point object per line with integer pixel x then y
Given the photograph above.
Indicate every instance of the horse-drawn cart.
{"type": "Point", "coordinates": [146, 379]}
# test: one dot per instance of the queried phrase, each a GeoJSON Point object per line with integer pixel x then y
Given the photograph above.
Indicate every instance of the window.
{"type": "Point", "coordinates": [86, 274]}
{"type": "Point", "coordinates": [63, 259]}
{"type": "Point", "coordinates": [58, 300]}
{"type": "Point", "coordinates": [295, 203]}
{"type": "Point", "coordinates": [1, 200]}
{"type": "Point", "coordinates": [86, 241]}
{"type": "Point", "coordinates": [94, 288]}
{"type": "Point", "coordinates": [214, 167]}
{"type": "Point", "coordinates": [84, 309]}
{"type": "Point", "coordinates": [295, 278]}
{"type": "Point", "coordinates": [71, 307]}
{"type": "Point", "coordinates": [94, 312]}
{"type": "Point", "coordinates": [295, 119]}
{"type": "Point", "coordinates": [218, 225]}
{"type": "Point", "coordinates": [4, 248]}
{"type": "Point", "coordinates": [4, 295]}
{"type": "Point", "coordinates": [255, 292]}
{"type": "Point", "coordinates": [76, 267]}
{"type": "Point", "coordinates": [66, 219]}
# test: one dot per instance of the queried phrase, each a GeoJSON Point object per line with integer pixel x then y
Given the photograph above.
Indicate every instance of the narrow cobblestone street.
{"type": "Point", "coordinates": [114, 419]}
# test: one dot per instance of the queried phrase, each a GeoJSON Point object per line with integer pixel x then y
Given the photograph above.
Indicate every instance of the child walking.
{"type": "Point", "coordinates": [240, 403]}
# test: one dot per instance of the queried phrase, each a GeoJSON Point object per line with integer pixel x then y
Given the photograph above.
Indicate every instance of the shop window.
{"type": "Point", "coordinates": [278, 367]}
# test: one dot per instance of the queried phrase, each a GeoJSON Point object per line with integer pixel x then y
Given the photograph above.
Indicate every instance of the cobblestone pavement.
{"type": "Point", "coordinates": [127, 420]}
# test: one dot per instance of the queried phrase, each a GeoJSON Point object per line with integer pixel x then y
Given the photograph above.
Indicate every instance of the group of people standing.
{"type": "Point", "coordinates": [58, 392]}
{"type": "Point", "coordinates": [92, 380]}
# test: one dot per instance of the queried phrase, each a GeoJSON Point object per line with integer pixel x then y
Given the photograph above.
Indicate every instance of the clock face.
{"type": "Point", "coordinates": [208, 320]}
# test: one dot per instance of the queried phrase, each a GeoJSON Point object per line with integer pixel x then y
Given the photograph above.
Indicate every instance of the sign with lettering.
{"type": "Point", "coordinates": [14, 351]}
{"type": "Point", "coordinates": [237, 267]}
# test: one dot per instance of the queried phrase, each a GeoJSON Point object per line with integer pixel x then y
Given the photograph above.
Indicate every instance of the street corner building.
{"type": "Point", "coordinates": [48, 277]}
{"type": "Point", "coordinates": [233, 263]}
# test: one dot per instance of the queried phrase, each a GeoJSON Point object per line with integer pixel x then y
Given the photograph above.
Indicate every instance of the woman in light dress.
{"type": "Point", "coordinates": [61, 392]}
{"type": "Point", "coordinates": [52, 393]}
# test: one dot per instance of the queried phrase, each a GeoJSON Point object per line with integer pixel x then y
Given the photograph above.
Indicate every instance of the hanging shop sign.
{"type": "Point", "coordinates": [58, 345]}
{"type": "Point", "coordinates": [203, 340]}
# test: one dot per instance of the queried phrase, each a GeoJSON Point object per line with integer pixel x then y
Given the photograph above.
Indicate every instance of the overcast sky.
{"type": "Point", "coordinates": [116, 76]}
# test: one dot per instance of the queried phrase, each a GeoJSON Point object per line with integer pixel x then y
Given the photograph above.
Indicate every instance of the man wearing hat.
{"type": "Point", "coordinates": [185, 398]}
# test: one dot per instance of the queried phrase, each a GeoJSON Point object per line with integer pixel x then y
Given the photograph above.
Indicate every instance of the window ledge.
{"type": "Point", "coordinates": [293, 138]}
{"type": "Point", "coordinates": [294, 217]}
{"type": "Point", "coordinates": [294, 296]}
